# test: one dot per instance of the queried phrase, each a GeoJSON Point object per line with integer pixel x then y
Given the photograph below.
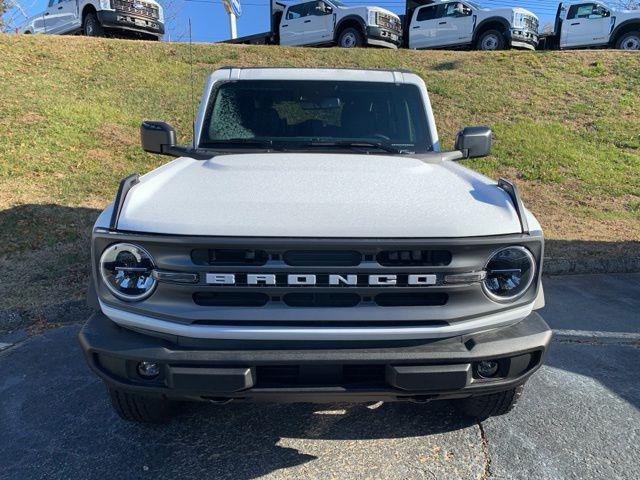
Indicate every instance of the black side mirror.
{"type": "Point", "coordinates": [474, 141]}
{"type": "Point", "coordinates": [157, 137]}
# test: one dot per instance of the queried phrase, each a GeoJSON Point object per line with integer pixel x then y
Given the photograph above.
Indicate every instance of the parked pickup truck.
{"type": "Point", "coordinates": [328, 22]}
{"type": "Point", "coordinates": [96, 18]}
{"type": "Point", "coordinates": [594, 24]}
{"type": "Point", "coordinates": [315, 244]}
{"type": "Point", "coordinates": [448, 24]}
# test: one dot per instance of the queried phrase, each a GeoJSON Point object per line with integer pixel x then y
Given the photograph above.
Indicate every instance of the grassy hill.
{"type": "Point", "coordinates": [566, 125]}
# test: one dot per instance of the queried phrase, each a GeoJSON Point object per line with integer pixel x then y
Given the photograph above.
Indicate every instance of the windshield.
{"type": "Point", "coordinates": [316, 114]}
{"type": "Point", "coordinates": [337, 3]}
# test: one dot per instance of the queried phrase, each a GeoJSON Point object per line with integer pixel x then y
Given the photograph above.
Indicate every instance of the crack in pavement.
{"type": "Point", "coordinates": [485, 451]}
{"type": "Point", "coordinates": [594, 337]}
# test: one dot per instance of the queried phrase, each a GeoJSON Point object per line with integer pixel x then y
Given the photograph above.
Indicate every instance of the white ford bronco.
{"type": "Point", "coordinates": [315, 244]}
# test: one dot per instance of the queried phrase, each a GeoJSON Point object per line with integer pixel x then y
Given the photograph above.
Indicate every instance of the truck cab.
{"type": "Point", "coordinates": [449, 24]}
{"type": "Point", "coordinates": [596, 24]}
{"type": "Point", "coordinates": [129, 18]}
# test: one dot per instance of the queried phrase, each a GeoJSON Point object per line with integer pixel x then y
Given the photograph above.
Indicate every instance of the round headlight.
{"type": "Point", "coordinates": [126, 270]}
{"type": "Point", "coordinates": [510, 272]}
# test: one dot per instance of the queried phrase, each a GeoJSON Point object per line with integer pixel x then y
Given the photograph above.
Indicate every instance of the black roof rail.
{"type": "Point", "coordinates": [512, 190]}
{"type": "Point", "coordinates": [126, 184]}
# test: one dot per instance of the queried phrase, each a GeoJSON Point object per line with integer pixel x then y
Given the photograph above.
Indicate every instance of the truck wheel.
{"type": "Point", "coordinates": [629, 41]}
{"type": "Point", "coordinates": [485, 406]}
{"type": "Point", "coordinates": [91, 26]}
{"type": "Point", "coordinates": [491, 40]}
{"type": "Point", "coordinates": [350, 38]}
{"type": "Point", "coordinates": [134, 407]}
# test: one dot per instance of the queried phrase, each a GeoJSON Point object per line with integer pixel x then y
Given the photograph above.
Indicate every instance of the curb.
{"type": "Point", "coordinates": [566, 266]}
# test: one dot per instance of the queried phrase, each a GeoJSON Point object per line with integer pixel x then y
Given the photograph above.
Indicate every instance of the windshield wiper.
{"type": "Point", "coordinates": [243, 142]}
{"type": "Point", "coordinates": [357, 144]}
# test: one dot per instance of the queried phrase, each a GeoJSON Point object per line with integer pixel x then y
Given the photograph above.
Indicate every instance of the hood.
{"type": "Point", "coordinates": [507, 12]}
{"type": "Point", "coordinates": [622, 15]}
{"type": "Point", "coordinates": [317, 195]}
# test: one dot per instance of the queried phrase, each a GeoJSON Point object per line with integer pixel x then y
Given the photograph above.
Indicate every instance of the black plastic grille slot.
{"type": "Point", "coordinates": [284, 376]}
{"type": "Point", "coordinates": [410, 299]}
{"type": "Point", "coordinates": [229, 256]}
{"type": "Point", "coordinates": [277, 375]}
{"type": "Point", "coordinates": [307, 299]}
{"type": "Point", "coordinates": [230, 299]}
{"type": "Point", "coordinates": [322, 258]}
{"type": "Point", "coordinates": [428, 258]}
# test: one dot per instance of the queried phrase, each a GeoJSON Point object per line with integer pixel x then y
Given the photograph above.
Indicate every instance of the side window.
{"type": "Point", "coordinates": [320, 8]}
{"type": "Point", "coordinates": [52, 3]}
{"type": "Point", "coordinates": [426, 13]}
{"type": "Point", "coordinates": [588, 11]}
{"type": "Point", "coordinates": [456, 9]}
{"type": "Point", "coordinates": [298, 11]}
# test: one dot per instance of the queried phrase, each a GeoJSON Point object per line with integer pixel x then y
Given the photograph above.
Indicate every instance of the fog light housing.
{"type": "Point", "coordinates": [487, 368]}
{"type": "Point", "coordinates": [148, 370]}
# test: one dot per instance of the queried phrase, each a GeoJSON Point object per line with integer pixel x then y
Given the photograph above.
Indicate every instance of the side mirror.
{"type": "Point", "coordinates": [157, 137]}
{"type": "Point", "coordinates": [474, 141]}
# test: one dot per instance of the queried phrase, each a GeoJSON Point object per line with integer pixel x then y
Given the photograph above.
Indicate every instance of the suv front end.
{"type": "Point", "coordinates": [308, 262]}
{"type": "Point", "coordinates": [524, 29]}
{"type": "Point", "coordinates": [383, 28]}
{"type": "Point", "coordinates": [137, 17]}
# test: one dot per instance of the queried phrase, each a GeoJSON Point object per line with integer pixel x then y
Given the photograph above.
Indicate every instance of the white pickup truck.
{"type": "Point", "coordinates": [328, 22]}
{"type": "Point", "coordinates": [449, 24]}
{"type": "Point", "coordinates": [315, 244]}
{"type": "Point", "coordinates": [95, 18]}
{"type": "Point", "coordinates": [594, 24]}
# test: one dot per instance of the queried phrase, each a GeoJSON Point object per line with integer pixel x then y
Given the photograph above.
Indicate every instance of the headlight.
{"type": "Point", "coordinates": [373, 18]}
{"type": "Point", "coordinates": [126, 270]}
{"type": "Point", "coordinates": [510, 272]}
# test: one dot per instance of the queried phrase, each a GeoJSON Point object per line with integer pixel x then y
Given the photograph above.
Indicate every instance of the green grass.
{"type": "Point", "coordinates": [566, 125]}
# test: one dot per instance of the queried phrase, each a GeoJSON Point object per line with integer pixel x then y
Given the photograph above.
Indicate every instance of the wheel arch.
{"type": "Point", "coordinates": [88, 8]}
{"type": "Point", "coordinates": [625, 27]}
{"type": "Point", "coordinates": [354, 21]}
{"type": "Point", "coordinates": [492, 23]}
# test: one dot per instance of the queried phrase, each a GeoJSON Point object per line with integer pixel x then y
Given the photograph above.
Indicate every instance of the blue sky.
{"type": "Point", "coordinates": [210, 21]}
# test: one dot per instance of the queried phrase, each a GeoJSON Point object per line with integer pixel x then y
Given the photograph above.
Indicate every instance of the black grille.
{"type": "Point", "coordinates": [144, 9]}
{"type": "Point", "coordinates": [399, 258]}
{"type": "Point", "coordinates": [411, 299]}
{"type": "Point", "coordinates": [229, 256]}
{"type": "Point", "coordinates": [308, 299]}
{"type": "Point", "coordinates": [389, 22]}
{"type": "Point", "coordinates": [322, 258]}
{"type": "Point", "coordinates": [230, 299]}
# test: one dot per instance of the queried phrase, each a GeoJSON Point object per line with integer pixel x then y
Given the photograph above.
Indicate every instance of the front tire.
{"type": "Point", "coordinates": [91, 26]}
{"type": "Point", "coordinates": [491, 40]}
{"type": "Point", "coordinates": [134, 407]}
{"type": "Point", "coordinates": [485, 406]}
{"type": "Point", "coordinates": [629, 41]}
{"type": "Point", "coordinates": [350, 38]}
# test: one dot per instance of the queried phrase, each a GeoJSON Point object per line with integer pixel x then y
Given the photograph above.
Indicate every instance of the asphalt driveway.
{"type": "Point", "coordinates": [579, 417]}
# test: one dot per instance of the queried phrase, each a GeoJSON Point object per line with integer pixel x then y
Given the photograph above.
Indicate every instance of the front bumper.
{"type": "Point", "coordinates": [521, 38]}
{"type": "Point", "coordinates": [383, 37]}
{"type": "Point", "coordinates": [220, 370]}
{"type": "Point", "coordinates": [133, 23]}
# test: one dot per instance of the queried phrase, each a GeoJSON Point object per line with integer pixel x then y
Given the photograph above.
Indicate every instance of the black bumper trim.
{"type": "Point", "coordinates": [384, 35]}
{"type": "Point", "coordinates": [436, 369]}
{"type": "Point", "coordinates": [113, 19]}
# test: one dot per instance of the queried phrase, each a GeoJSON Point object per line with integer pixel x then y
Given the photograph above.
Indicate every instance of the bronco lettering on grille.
{"type": "Point", "coordinates": [306, 279]}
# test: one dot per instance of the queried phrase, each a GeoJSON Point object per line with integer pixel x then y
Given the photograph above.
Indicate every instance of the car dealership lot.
{"type": "Point", "coordinates": [579, 418]}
